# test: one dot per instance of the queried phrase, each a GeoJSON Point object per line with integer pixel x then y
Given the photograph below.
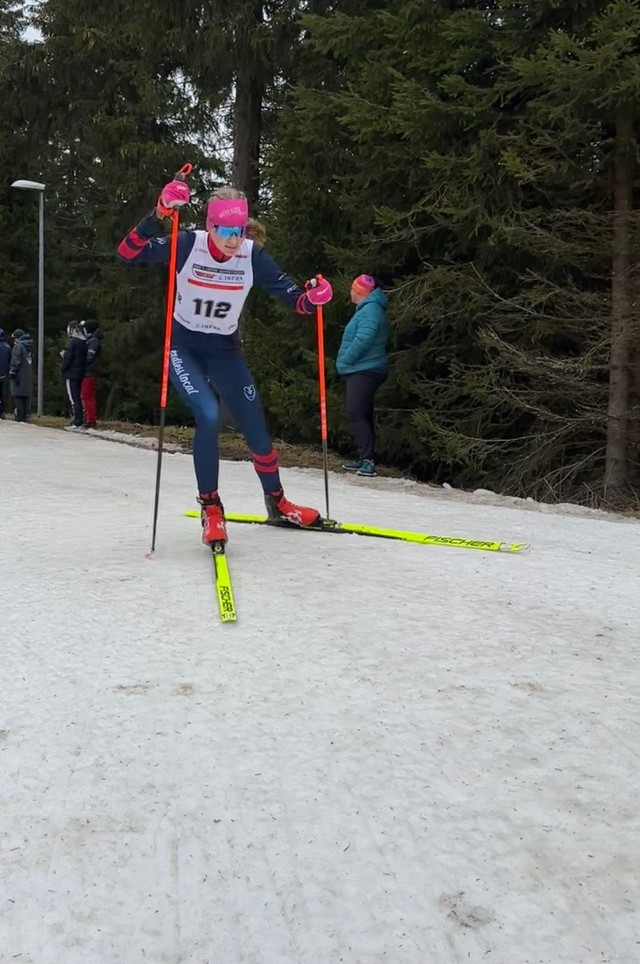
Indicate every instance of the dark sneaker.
{"type": "Point", "coordinates": [367, 469]}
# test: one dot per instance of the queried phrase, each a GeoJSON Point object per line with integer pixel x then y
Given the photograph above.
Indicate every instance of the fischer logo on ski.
{"type": "Point", "coordinates": [224, 589]}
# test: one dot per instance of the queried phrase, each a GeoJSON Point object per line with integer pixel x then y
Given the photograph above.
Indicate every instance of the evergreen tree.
{"type": "Point", "coordinates": [18, 213]}
{"type": "Point", "coordinates": [586, 90]}
{"type": "Point", "coordinates": [491, 163]}
{"type": "Point", "coordinates": [313, 213]}
{"type": "Point", "coordinates": [479, 158]}
{"type": "Point", "coordinates": [108, 97]}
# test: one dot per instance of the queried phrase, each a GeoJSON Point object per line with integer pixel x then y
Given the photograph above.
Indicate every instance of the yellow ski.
{"type": "Point", "coordinates": [424, 538]}
{"type": "Point", "coordinates": [224, 589]}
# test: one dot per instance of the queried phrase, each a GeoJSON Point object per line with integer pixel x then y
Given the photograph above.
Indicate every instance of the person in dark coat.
{"type": "Point", "coordinates": [5, 365]}
{"type": "Point", "coordinates": [89, 383]}
{"type": "Point", "coordinates": [20, 373]}
{"type": "Point", "coordinates": [73, 368]}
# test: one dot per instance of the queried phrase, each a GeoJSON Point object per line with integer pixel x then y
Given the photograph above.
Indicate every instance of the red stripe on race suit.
{"type": "Point", "coordinates": [269, 457]}
{"type": "Point", "coordinates": [209, 284]}
{"type": "Point", "coordinates": [266, 463]}
{"type": "Point", "coordinates": [131, 246]}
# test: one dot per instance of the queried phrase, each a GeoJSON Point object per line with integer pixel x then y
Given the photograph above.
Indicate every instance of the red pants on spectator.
{"type": "Point", "coordinates": [89, 400]}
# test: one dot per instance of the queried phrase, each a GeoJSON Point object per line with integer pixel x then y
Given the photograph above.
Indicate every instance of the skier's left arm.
{"type": "Point", "coordinates": [271, 278]}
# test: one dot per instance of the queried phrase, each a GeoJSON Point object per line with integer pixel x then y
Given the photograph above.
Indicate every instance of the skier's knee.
{"type": "Point", "coordinates": [207, 418]}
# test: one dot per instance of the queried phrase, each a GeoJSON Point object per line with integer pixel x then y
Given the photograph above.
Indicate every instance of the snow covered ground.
{"type": "Point", "coordinates": [399, 754]}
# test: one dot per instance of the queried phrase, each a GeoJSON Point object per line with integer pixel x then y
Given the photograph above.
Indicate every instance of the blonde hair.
{"type": "Point", "coordinates": [227, 193]}
{"type": "Point", "coordinates": [256, 231]}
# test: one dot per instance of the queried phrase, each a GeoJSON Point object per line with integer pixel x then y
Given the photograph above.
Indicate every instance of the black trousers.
{"type": "Point", "coordinates": [361, 388]}
{"type": "Point", "coordinates": [74, 391]}
{"type": "Point", "coordinates": [23, 407]}
{"type": "Point", "coordinates": [3, 382]}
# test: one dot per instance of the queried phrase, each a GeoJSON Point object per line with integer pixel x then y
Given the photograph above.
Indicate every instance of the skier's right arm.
{"type": "Point", "coordinates": [146, 243]}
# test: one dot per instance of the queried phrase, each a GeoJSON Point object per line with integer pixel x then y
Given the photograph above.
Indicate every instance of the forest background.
{"type": "Point", "coordinates": [480, 159]}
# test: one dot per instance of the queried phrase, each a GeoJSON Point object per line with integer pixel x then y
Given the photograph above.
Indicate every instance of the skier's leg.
{"type": "Point", "coordinates": [189, 378]}
{"type": "Point", "coordinates": [237, 388]}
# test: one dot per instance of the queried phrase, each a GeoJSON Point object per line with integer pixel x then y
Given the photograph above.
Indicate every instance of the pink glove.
{"type": "Point", "coordinates": [318, 290]}
{"type": "Point", "coordinates": [173, 196]}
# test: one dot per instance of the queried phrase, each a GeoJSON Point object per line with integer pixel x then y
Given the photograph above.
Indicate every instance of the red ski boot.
{"type": "Point", "coordinates": [279, 508]}
{"type": "Point", "coordinates": [214, 526]}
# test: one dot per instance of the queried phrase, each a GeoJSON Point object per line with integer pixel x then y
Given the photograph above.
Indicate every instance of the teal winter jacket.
{"type": "Point", "coordinates": [364, 340]}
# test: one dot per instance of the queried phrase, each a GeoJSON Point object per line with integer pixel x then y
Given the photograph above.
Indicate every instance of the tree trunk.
{"type": "Point", "coordinates": [634, 359]}
{"type": "Point", "coordinates": [621, 311]}
{"type": "Point", "coordinates": [248, 104]}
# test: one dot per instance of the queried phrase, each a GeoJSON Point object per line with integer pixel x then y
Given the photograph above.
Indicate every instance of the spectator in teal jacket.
{"type": "Point", "coordinates": [363, 363]}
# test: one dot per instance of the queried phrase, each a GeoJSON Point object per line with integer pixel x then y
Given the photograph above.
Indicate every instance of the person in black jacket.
{"type": "Point", "coordinates": [20, 373]}
{"type": "Point", "coordinates": [89, 382]}
{"type": "Point", "coordinates": [5, 365]}
{"type": "Point", "coordinates": [73, 368]}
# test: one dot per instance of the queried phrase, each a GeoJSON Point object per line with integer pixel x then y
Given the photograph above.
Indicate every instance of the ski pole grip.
{"type": "Point", "coordinates": [309, 284]}
{"type": "Point", "coordinates": [184, 172]}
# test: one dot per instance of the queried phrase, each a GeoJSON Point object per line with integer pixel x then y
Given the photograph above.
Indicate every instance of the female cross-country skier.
{"type": "Point", "coordinates": [216, 269]}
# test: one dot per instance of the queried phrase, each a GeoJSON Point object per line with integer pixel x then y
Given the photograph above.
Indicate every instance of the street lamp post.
{"type": "Point", "coordinates": [37, 186]}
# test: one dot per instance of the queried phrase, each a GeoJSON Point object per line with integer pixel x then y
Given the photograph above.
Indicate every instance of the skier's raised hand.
{"type": "Point", "coordinates": [173, 196]}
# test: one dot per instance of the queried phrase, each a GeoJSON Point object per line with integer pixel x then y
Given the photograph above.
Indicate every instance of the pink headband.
{"type": "Point", "coordinates": [363, 284]}
{"type": "Point", "coordinates": [228, 213]}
